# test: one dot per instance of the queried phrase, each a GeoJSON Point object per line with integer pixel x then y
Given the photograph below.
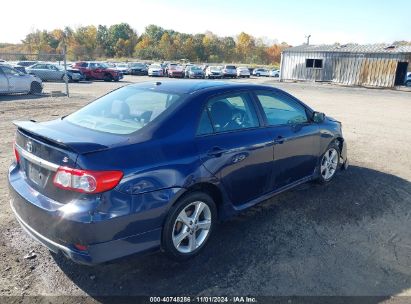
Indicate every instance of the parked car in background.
{"type": "Point", "coordinates": [46, 71]}
{"type": "Point", "coordinates": [167, 67]}
{"type": "Point", "coordinates": [15, 66]}
{"type": "Point", "coordinates": [186, 69]}
{"type": "Point", "coordinates": [155, 70]}
{"type": "Point", "coordinates": [175, 70]}
{"type": "Point", "coordinates": [274, 73]}
{"type": "Point", "coordinates": [106, 181]}
{"type": "Point", "coordinates": [195, 72]}
{"type": "Point", "coordinates": [49, 72]}
{"type": "Point", "coordinates": [243, 72]}
{"type": "Point", "coordinates": [122, 67]}
{"type": "Point", "coordinates": [73, 74]}
{"type": "Point", "coordinates": [408, 80]}
{"type": "Point", "coordinates": [137, 68]}
{"type": "Point", "coordinates": [98, 71]}
{"type": "Point", "coordinates": [261, 72]}
{"type": "Point", "coordinates": [213, 72]}
{"type": "Point", "coordinates": [229, 71]}
{"type": "Point", "coordinates": [26, 63]}
{"type": "Point", "coordinates": [14, 81]}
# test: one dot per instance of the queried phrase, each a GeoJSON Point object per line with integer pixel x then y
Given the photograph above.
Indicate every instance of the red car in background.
{"type": "Point", "coordinates": [98, 71]}
{"type": "Point", "coordinates": [175, 70]}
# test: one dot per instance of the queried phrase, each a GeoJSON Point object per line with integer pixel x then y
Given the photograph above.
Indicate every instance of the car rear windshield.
{"type": "Point", "coordinates": [230, 67]}
{"type": "Point", "coordinates": [123, 111]}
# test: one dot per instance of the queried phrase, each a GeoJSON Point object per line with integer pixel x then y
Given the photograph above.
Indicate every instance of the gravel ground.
{"type": "Point", "coordinates": [350, 237]}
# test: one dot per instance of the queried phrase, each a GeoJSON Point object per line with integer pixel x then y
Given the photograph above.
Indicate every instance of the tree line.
{"type": "Point", "coordinates": [155, 43]}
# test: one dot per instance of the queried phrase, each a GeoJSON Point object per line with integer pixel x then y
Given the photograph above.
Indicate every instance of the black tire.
{"type": "Point", "coordinates": [168, 229]}
{"type": "Point", "coordinates": [408, 83]}
{"type": "Point", "coordinates": [35, 88]}
{"type": "Point", "coordinates": [321, 178]}
{"type": "Point", "coordinates": [108, 77]}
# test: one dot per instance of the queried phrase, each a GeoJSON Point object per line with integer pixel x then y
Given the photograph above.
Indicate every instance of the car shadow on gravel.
{"type": "Point", "coordinates": [17, 97]}
{"type": "Point", "coordinates": [349, 237]}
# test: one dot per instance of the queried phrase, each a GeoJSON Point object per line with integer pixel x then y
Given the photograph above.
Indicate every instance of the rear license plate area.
{"type": "Point", "coordinates": [36, 174]}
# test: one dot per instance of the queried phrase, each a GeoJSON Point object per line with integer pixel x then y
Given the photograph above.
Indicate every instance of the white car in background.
{"type": "Point", "coordinates": [213, 72]}
{"type": "Point", "coordinates": [13, 81]}
{"type": "Point", "coordinates": [122, 67]}
{"type": "Point", "coordinates": [261, 72]}
{"type": "Point", "coordinates": [243, 72]}
{"type": "Point", "coordinates": [275, 73]}
{"type": "Point", "coordinates": [155, 69]}
{"type": "Point", "coordinates": [408, 80]}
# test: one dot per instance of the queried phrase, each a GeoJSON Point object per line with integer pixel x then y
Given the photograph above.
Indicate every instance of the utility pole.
{"type": "Point", "coordinates": [308, 39]}
{"type": "Point", "coordinates": [65, 70]}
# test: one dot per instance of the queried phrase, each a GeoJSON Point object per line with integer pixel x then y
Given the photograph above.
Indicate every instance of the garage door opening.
{"type": "Point", "coordinates": [401, 73]}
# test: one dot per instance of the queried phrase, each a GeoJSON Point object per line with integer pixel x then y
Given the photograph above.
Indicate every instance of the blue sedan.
{"type": "Point", "coordinates": [155, 165]}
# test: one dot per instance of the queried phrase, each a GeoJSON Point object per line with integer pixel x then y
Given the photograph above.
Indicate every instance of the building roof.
{"type": "Point", "coordinates": [351, 48]}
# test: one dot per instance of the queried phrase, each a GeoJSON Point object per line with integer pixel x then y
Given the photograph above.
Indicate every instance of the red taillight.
{"type": "Point", "coordinates": [80, 247]}
{"type": "Point", "coordinates": [86, 181]}
{"type": "Point", "coordinates": [16, 153]}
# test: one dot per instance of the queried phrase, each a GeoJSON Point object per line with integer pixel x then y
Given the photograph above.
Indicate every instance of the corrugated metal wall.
{"type": "Point", "coordinates": [373, 69]}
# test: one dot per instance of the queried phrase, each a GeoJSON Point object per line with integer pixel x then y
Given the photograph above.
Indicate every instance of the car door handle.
{"type": "Point", "coordinates": [216, 152]}
{"type": "Point", "coordinates": [279, 140]}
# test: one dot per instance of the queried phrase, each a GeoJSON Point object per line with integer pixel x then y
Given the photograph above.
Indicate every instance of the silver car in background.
{"type": "Point", "coordinates": [243, 72]}
{"type": "Point", "coordinates": [261, 72]}
{"type": "Point", "coordinates": [213, 72]}
{"type": "Point", "coordinates": [13, 81]}
{"type": "Point", "coordinates": [275, 73]}
{"type": "Point", "coordinates": [51, 72]}
{"type": "Point", "coordinates": [45, 71]}
{"type": "Point", "coordinates": [229, 71]}
{"type": "Point", "coordinates": [155, 70]}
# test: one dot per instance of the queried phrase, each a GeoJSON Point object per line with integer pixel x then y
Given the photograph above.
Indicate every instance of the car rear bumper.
{"type": "Point", "coordinates": [196, 76]}
{"type": "Point", "coordinates": [96, 253]}
{"type": "Point", "coordinates": [138, 72]}
{"type": "Point", "coordinates": [134, 227]}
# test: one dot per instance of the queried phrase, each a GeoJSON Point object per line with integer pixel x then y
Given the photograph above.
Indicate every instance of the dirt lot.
{"type": "Point", "coordinates": [351, 237]}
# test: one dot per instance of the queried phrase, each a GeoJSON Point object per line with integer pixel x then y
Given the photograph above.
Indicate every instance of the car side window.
{"type": "Point", "coordinates": [231, 112]}
{"type": "Point", "coordinates": [205, 127]}
{"type": "Point", "coordinates": [281, 109]}
{"type": "Point", "coordinates": [10, 72]}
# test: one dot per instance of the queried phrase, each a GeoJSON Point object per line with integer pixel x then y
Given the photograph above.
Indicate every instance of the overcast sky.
{"type": "Point", "coordinates": [328, 21]}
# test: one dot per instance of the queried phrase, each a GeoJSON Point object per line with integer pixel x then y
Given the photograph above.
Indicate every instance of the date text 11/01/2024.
{"type": "Point", "coordinates": [186, 299]}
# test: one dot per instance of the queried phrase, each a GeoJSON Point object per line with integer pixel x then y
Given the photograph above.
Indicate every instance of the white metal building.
{"type": "Point", "coordinates": [357, 65]}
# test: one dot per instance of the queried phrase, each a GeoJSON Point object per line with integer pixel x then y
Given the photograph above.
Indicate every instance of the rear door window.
{"type": "Point", "coordinates": [228, 113]}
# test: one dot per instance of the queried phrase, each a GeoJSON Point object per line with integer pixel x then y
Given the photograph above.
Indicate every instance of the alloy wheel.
{"type": "Point", "coordinates": [329, 164]}
{"type": "Point", "coordinates": [191, 227]}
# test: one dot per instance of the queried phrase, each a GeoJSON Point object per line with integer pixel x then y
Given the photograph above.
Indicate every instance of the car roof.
{"type": "Point", "coordinates": [186, 86]}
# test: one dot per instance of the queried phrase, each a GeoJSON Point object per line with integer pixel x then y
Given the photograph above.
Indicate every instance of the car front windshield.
{"type": "Point", "coordinates": [123, 111]}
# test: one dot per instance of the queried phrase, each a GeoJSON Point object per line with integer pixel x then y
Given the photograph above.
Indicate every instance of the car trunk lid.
{"type": "Point", "coordinates": [44, 147]}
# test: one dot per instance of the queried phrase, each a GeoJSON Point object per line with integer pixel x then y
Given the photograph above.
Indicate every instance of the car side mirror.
{"type": "Point", "coordinates": [318, 117]}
